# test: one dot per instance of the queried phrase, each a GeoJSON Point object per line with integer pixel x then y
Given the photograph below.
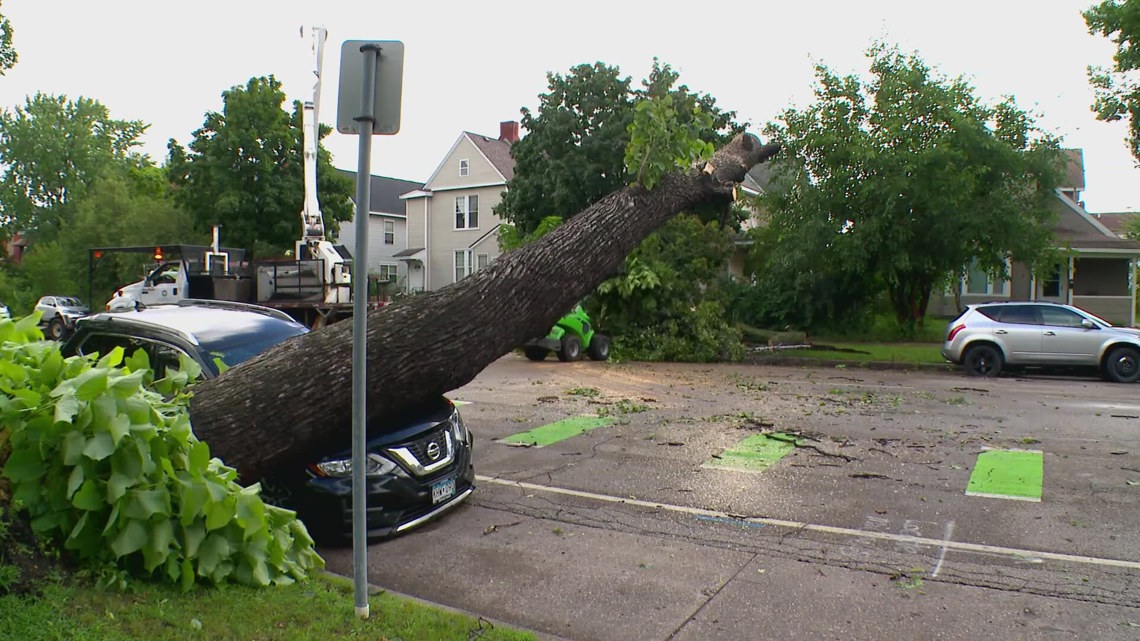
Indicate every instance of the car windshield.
{"type": "Point", "coordinates": [233, 348]}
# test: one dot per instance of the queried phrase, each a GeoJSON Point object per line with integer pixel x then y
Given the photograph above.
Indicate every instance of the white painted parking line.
{"type": "Point", "coordinates": [945, 543]}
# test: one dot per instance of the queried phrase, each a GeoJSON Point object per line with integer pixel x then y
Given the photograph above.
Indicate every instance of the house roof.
{"type": "Point", "coordinates": [385, 192]}
{"type": "Point", "coordinates": [1079, 229]}
{"type": "Point", "coordinates": [497, 151]}
{"type": "Point", "coordinates": [1117, 222]}
{"type": "Point", "coordinates": [758, 178]}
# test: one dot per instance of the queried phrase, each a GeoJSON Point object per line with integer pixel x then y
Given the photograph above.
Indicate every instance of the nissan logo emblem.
{"type": "Point", "coordinates": [433, 450]}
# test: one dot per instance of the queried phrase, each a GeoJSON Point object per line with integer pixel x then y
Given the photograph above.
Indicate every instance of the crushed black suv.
{"type": "Point", "coordinates": [419, 460]}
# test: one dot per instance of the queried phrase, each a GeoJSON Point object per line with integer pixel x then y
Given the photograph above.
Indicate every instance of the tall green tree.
{"type": "Point", "coordinates": [52, 148]}
{"type": "Point", "coordinates": [574, 150]}
{"type": "Point", "coordinates": [8, 55]}
{"type": "Point", "coordinates": [244, 170]}
{"type": "Point", "coordinates": [907, 177]}
{"type": "Point", "coordinates": [1118, 88]}
{"type": "Point", "coordinates": [131, 206]}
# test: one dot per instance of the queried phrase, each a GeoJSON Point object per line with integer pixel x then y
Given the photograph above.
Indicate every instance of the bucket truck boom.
{"type": "Point", "coordinates": [313, 245]}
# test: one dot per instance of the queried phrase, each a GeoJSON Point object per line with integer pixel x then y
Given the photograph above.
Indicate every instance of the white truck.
{"type": "Point", "coordinates": [314, 286]}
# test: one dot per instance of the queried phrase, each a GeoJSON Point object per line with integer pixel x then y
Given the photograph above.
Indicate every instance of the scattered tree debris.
{"type": "Point", "coordinates": [496, 527]}
{"type": "Point", "coordinates": [870, 475]}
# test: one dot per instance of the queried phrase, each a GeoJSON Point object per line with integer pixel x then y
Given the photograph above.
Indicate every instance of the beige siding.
{"type": "Point", "coordinates": [416, 220]}
{"type": "Point", "coordinates": [379, 253]}
{"type": "Point", "coordinates": [445, 239]}
{"type": "Point", "coordinates": [481, 171]}
{"type": "Point", "coordinates": [1114, 309]}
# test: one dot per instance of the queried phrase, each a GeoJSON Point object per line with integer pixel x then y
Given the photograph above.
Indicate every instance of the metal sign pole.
{"type": "Point", "coordinates": [371, 52]}
{"type": "Point", "coordinates": [379, 101]}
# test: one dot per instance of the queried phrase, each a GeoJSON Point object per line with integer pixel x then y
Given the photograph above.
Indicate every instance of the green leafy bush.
{"type": "Point", "coordinates": [699, 335]}
{"type": "Point", "coordinates": [105, 463]}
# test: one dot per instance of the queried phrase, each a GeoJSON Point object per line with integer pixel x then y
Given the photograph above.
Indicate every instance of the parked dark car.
{"type": "Point", "coordinates": [990, 337]}
{"type": "Point", "coordinates": [59, 313]}
{"type": "Point", "coordinates": [420, 460]}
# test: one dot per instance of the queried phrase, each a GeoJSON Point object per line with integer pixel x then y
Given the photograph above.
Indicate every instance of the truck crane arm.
{"type": "Point", "coordinates": [312, 222]}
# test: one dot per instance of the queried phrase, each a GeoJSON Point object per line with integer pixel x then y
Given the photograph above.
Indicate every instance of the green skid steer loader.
{"type": "Point", "coordinates": [569, 338]}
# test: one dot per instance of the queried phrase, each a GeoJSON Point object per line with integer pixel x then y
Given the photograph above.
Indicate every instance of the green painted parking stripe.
{"type": "Point", "coordinates": [557, 431]}
{"type": "Point", "coordinates": [755, 453]}
{"type": "Point", "coordinates": [1008, 474]}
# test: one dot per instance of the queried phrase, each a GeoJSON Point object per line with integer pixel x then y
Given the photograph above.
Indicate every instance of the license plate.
{"type": "Point", "coordinates": [442, 490]}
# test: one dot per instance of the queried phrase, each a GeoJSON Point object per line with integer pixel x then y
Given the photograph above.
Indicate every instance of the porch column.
{"type": "Point", "coordinates": [1132, 283]}
{"type": "Point", "coordinates": [1071, 281]}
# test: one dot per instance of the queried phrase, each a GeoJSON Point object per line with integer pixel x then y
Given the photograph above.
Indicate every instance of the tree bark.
{"type": "Point", "coordinates": [297, 397]}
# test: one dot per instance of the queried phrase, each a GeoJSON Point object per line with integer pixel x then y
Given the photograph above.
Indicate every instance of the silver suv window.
{"type": "Point", "coordinates": [1020, 315]}
{"type": "Point", "coordinates": [1061, 317]}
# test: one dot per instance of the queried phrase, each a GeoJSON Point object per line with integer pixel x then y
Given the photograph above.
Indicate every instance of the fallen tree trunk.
{"type": "Point", "coordinates": [297, 397]}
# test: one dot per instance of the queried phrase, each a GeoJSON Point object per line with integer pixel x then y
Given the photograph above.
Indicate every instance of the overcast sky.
{"type": "Point", "coordinates": [471, 65]}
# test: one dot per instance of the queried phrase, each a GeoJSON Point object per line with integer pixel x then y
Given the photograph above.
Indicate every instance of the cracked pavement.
{"type": "Point", "coordinates": [861, 532]}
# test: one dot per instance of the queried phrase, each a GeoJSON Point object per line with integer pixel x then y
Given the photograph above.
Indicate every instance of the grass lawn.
{"type": "Point", "coordinates": [319, 609]}
{"type": "Point", "coordinates": [915, 353]}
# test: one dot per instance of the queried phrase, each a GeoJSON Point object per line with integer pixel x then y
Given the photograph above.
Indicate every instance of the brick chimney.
{"type": "Point", "coordinates": [509, 131]}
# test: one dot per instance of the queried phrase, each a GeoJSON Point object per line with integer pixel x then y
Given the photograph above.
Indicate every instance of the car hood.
{"type": "Point", "coordinates": [1131, 331]}
{"type": "Point", "coordinates": [404, 425]}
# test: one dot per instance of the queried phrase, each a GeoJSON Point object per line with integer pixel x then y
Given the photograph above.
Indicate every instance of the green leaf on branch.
{"type": "Point", "coordinates": [99, 446]}
{"type": "Point", "coordinates": [215, 549]}
{"type": "Point", "coordinates": [660, 142]}
{"type": "Point", "coordinates": [89, 497]}
{"type": "Point", "coordinates": [129, 539]}
{"type": "Point", "coordinates": [66, 407]}
{"type": "Point", "coordinates": [24, 465]}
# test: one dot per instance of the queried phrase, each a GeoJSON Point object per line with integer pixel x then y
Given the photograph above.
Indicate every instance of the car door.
{"type": "Point", "coordinates": [1065, 340]}
{"type": "Point", "coordinates": [1018, 330]}
{"type": "Point", "coordinates": [162, 285]}
{"type": "Point", "coordinates": [47, 307]}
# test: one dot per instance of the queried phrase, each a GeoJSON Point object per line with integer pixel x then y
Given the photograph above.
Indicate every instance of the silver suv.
{"type": "Point", "coordinates": [59, 313]}
{"type": "Point", "coordinates": [988, 337]}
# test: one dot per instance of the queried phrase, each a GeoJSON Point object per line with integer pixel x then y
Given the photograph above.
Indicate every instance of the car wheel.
{"type": "Point", "coordinates": [571, 349]}
{"type": "Point", "coordinates": [982, 360]}
{"type": "Point", "coordinates": [1123, 365]}
{"type": "Point", "coordinates": [599, 349]}
{"type": "Point", "coordinates": [535, 353]}
{"type": "Point", "coordinates": [55, 329]}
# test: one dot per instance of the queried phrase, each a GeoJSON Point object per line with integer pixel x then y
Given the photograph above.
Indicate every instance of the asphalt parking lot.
{"type": "Point", "coordinates": [653, 503]}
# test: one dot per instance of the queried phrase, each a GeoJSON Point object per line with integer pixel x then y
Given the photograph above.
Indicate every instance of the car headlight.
{"type": "Point", "coordinates": [458, 428]}
{"type": "Point", "coordinates": [374, 465]}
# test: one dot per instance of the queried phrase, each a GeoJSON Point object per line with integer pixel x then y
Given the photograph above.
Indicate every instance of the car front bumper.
{"type": "Point", "coordinates": [395, 503]}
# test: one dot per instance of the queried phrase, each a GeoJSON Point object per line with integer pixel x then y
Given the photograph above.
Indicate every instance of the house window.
{"type": "Point", "coordinates": [481, 261]}
{"type": "Point", "coordinates": [467, 212]}
{"type": "Point", "coordinates": [386, 272]}
{"type": "Point", "coordinates": [1051, 286]}
{"type": "Point", "coordinates": [462, 264]}
{"type": "Point", "coordinates": [464, 167]}
{"type": "Point", "coordinates": [389, 232]}
{"type": "Point", "coordinates": [981, 283]}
